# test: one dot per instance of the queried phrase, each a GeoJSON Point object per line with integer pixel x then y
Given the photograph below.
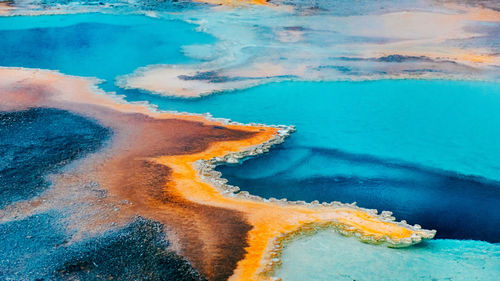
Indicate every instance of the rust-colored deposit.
{"type": "Point", "coordinates": [147, 170]}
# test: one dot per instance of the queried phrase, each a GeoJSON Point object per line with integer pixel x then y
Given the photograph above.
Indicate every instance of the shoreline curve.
{"type": "Point", "coordinates": [181, 183]}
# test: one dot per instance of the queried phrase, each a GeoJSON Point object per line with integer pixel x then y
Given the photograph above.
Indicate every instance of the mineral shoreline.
{"type": "Point", "coordinates": [272, 259]}
{"type": "Point", "coordinates": [160, 166]}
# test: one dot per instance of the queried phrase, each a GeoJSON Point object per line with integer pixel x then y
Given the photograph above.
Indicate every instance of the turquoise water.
{"type": "Point", "coordinates": [99, 45]}
{"type": "Point", "coordinates": [421, 149]}
{"type": "Point", "coordinates": [448, 125]}
{"type": "Point", "coordinates": [427, 150]}
{"type": "Point", "coordinates": [330, 256]}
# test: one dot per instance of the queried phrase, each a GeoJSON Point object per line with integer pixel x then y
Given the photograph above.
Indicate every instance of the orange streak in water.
{"type": "Point", "coordinates": [270, 221]}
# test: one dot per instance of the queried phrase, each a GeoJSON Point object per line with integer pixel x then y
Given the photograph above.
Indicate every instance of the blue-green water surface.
{"type": "Point", "coordinates": [329, 256]}
{"type": "Point", "coordinates": [426, 150]}
{"type": "Point", "coordinates": [95, 44]}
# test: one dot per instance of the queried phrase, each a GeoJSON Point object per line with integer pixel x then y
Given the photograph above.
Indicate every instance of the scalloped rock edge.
{"type": "Point", "coordinates": [206, 171]}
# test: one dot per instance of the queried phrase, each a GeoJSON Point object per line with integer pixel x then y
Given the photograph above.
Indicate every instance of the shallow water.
{"type": "Point", "coordinates": [426, 150]}
{"type": "Point", "coordinates": [330, 256]}
{"type": "Point", "coordinates": [98, 45]}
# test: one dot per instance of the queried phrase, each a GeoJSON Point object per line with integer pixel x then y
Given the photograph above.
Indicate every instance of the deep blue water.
{"type": "Point", "coordinates": [426, 150]}
{"type": "Point", "coordinates": [38, 248]}
{"type": "Point", "coordinates": [459, 207]}
{"type": "Point", "coordinates": [38, 141]}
